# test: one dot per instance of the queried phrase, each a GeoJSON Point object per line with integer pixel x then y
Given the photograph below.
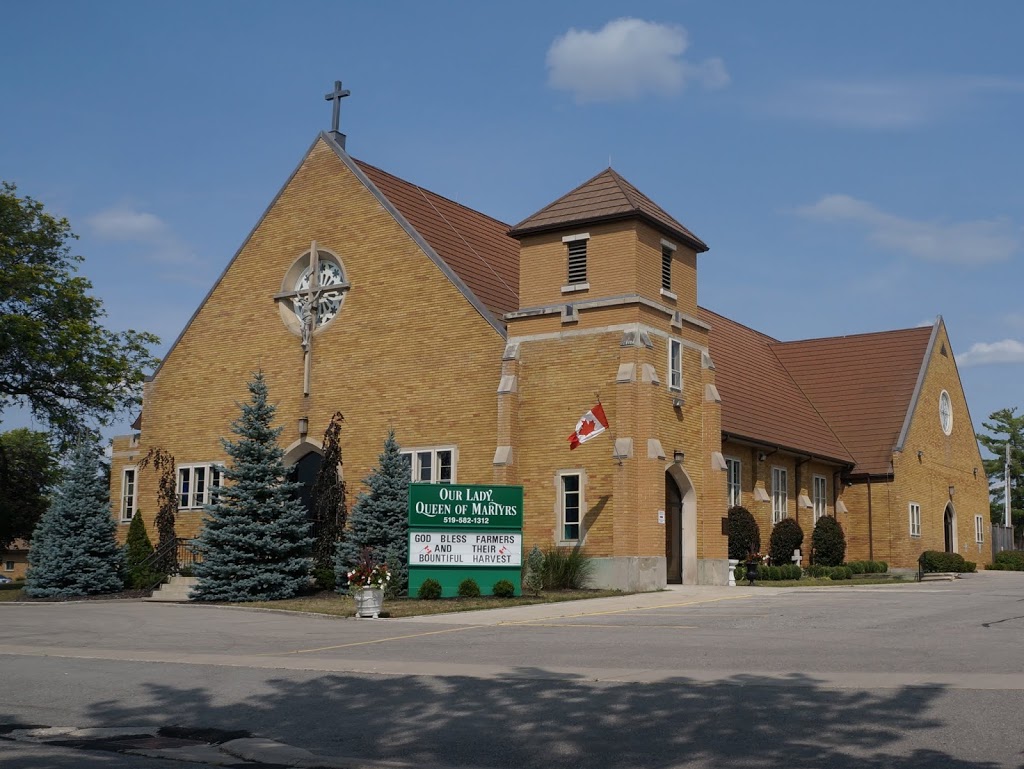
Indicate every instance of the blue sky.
{"type": "Point", "coordinates": [853, 167]}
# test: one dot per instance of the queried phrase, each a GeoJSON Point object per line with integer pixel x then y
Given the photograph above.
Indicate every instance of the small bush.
{"type": "Point", "coordinates": [503, 588]}
{"type": "Point", "coordinates": [840, 572]}
{"type": "Point", "coordinates": [938, 561]}
{"type": "Point", "coordinates": [828, 542]}
{"type": "Point", "coordinates": [533, 579]}
{"type": "Point", "coordinates": [1010, 560]}
{"type": "Point", "coordinates": [325, 578]}
{"type": "Point", "coordinates": [885, 567]}
{"type": "Point", "coordinates": [857, 567]}
{"type": "Point", "coordinates": [430, 590]}
{"type": "Point", "coordinates": [787, 536]}
{"type": "Point", "coordinates": [744, 533]}
{"type": "Point", "coordinates": [990, 567]}
{"type": "Point", "coordinates": [816, 570]}
{"type": "Point", "coordinates": [469, 589]}
{"type": "Point", "coordinates": [567, 568]}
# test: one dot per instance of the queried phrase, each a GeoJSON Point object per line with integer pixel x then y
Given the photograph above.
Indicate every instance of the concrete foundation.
{"type": "Point", "coordinates": [635, 574]}
{"type": "Point", "coordinates": [713, 571]}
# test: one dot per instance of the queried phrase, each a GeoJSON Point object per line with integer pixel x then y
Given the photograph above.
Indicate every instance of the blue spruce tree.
{"type": "Point", "coordinates": [380, 520]}
{"type": "Point", "coordinates": [255, 541]}
{"type": "Point", "coordinates": [74, 548]}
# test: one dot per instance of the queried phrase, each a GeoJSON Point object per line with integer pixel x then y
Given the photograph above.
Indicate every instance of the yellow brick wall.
{"type": "Point", "coordinates": [404, 336]}
{"type": "Point", "coordinates": [18, 559]}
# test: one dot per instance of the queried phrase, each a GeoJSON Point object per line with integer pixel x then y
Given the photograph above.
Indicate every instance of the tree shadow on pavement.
{"type": "Point", "coordinates": [535, 718]}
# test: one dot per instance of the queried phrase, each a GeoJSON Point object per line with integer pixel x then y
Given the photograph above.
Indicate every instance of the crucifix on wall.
{"type": "Point", "coordinates": [313, 301]}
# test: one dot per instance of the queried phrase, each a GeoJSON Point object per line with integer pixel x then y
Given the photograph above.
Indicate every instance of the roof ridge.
{"type": "Point", "coordinates": [431, 192]}
{"type": "Point", "coordinates": [514, 294]}
{"type": "Point", "coordinates": [771, 339]}
{"type": "Point", "coordinates": [621, 183]}
{"type": "Point", "coordinates": [852, 336]}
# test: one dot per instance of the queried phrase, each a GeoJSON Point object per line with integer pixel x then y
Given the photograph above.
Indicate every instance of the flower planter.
{"type": "Point", "coordinates": [751, 573]}
{"type": "Point", "coordinates": [369, 602]}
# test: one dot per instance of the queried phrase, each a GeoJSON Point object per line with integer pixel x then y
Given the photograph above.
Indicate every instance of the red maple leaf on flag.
{"type": "Point", "coordinates": [587, 427]}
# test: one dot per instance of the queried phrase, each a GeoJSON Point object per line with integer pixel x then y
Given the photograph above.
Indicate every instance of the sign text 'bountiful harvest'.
{"type": "Point", "coordinates": [454, 548]}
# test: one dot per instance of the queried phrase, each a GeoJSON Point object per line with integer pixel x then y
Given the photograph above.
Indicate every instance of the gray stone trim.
{"type": "Point", "coordinates": [626, 374]}
{"type": "Point", "coordinates": [574, 287]}
{"type": "Point", "coordinates": [711, 394]}
{"type": "Point", "coordinates": [654, 449]}
{"type": "Point", "coordinates": [645, 338]}
{"type": "Point", "coordinates": [623, 448]}
{"type": "Point", "coordinates": [918, 386]}
{"type": "Point", "coordinates": [718, 461]}
{"type": "Point", "coordinates": [511, 352]}
{"type": "Point", "coordinates": [706, 361]}
{"type": "Point", "coordinates": [614, 328]}
{"type": "Point", "coordinates": [570, 313]}
{"type": "Point", "coordinates": [649, 374]}
{"type": "Point", "coordinates": [448, 272]}
{"type": "Point", "coordinates": [503, 456]}
{"type": "Point", "coordinates": [507, 384]}
{"type": "Point", "coordinates": [612, 301]}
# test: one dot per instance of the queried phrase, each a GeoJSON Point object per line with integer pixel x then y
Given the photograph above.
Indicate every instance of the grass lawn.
{"type": "Point", "coordinates": [10, 595]}
{"type": "Point", "coordinates": [343, 606]}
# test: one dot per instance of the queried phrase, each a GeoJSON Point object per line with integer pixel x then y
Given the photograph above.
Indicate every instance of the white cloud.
{"type": "Point", "coordinates": [123, 223]}
{"type": "Point", "coordinates": [972, 242]}
{"type": "Point", "coordinates": [626, 59]}
{"type": "Point", "coordinates": [888, 104]}
{"type": "Point", "coordinates": [985, 353]}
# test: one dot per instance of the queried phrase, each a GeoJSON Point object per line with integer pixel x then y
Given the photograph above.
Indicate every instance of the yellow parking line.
{"type": "Point", "coordinates": [620, 627]}
{"type": "Point", "coordinates": [374, 641]}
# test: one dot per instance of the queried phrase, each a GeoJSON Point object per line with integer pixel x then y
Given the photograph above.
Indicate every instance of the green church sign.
{"type": "Point", "coordinates": [444, 505]}
{"type": "Point", "coordinates": [465, 531]}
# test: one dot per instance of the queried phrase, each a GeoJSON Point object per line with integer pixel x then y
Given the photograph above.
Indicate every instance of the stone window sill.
{"type": "Point", "coordinates": [573, 287]}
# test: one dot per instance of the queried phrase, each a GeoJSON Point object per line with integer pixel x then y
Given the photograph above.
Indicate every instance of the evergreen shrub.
{"type": "Point", "coordinates": [74, 547]}
{"type": "Point", "coordinates": [840, 572]}
{"type": "Point", "coordinates": [325, 578]}
{"type": "Point", "coordinates": [816, 570]}
{"type": "Point", "coordinates": [533, 579]}
{"type": "Point", "coordinates": [933, 561]}
{"type": "Point", "coordinates": [787, 536]}
{"type": "Point", "coordinates": [379, 519]}
{"type": "Point", "coordinates": [468, 588]}
{"type": "Point", "coordinates": [857, 567]}
{"type": "Point", "coordinates": [137, 549]}
{"type": "Point", "coordinates": [828, 542]}
{"type": "Point", "coordinates": [256, 540]}
{"type": "Point", "coordinates": [430, 590]}
{"type": "Point", "coordinates": [567, 568]}
{"type": "Point", "coordinates": [503, 588]}
{"type": "Point", "coordinates": [1010, 560]}
{"type": "Point", "coordinates": [744, 533]}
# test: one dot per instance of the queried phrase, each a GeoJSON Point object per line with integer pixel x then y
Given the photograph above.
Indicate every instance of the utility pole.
{"type": "Point", "coordinates": [1006, 480]}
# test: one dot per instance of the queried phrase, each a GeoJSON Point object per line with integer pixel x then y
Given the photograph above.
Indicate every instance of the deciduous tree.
{"type": "Point", "coordinates": [1002, 427]}
{"type": "Point", "coordinates": [28, 470]}
{"type": "Point", "coordinates": [56, 358]}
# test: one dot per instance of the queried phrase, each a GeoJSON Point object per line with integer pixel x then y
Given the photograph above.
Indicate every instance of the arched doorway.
{"type": "Point", "coordinates": [680, 527]}
{"type": "Point", "coordinates": [304, 459]}
{"type": "Point", "coordinates": [949, 528]}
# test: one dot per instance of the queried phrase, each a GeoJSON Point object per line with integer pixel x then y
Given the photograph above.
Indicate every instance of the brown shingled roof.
{"type": "Point", "coordinates": [605, 197]}
{"type": "Point", "coordinates": [477, 247]}
{"type": "Point", "coordinates": [760, 400]}
{"type": "Point", "coordinates": [862, 385]}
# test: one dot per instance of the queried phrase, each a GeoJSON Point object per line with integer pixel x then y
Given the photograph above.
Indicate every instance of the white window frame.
{"type": "Point", "coordinates": [675, 372]}
{"type": "Point", "coordinates": [213, 477]}
{"type": "Point", "coordinates": [435, 456]}
{"type": "Point", "coordinates": [915, 519]}
{"type": "Point", "coordinates": [734, 481]}
{"type": "Point", "coordinates": [129, 497]}
{"type": "Point", "coordinates": [8, 565]}
{"type": "Point", "coordinates": [819, 496]}
{"type": "Point", "coordinates": [580, 506]}
{"type": "Point", "coordinates": [780, 494]}
{"type": "Point", "coordinates": [946, 412]}
{"type": "Point", "coordinates": [979, 529]}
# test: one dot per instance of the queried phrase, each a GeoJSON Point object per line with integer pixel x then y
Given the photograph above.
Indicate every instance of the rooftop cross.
{"type": "Point", "coordinates": [336, 96]}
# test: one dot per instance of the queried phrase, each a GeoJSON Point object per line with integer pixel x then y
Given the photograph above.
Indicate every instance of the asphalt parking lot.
{"type": "Point", "coordinates": [906, 676]}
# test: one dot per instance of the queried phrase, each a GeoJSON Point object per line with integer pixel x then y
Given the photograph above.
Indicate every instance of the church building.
{"type": "Point", "coordinates": [482, 344]}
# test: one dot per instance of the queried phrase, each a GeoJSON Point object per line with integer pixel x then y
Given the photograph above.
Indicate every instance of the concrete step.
{"type": "Point", "coordinates": [175, 590]}
{"type": "Point", "coordinates": [939, 576]}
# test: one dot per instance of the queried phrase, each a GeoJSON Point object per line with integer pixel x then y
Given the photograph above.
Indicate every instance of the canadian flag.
{"type": "Point", "coordinates": [591, 425]}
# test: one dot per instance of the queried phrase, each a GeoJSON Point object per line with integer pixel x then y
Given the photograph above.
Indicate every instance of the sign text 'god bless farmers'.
{"type": "Point", "coordinates": [465, 506]}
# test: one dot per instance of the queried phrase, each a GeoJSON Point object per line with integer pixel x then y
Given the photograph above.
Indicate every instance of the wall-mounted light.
{"type": "Point", "coordinates": [920, 454]}
{"type": "Point", "coordinates": [303, 426]}
{"type": "Point", "coordinates": [761, 456]}
{"type": "Point", "coordinates": [975, 472]}
{"type": "Point", "coordinates": [677, 402]}
{"type": "Point", "coordinates": [678, 456]}
{"type": "Point", "coordinates": [951, 490]}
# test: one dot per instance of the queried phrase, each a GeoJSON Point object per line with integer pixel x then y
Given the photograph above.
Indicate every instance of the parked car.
{"type": "Point", "coordinates": [4, 580]}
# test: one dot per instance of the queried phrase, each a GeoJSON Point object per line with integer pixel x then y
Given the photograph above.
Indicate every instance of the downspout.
{"type": "Point", "coordinates": [871, 538]}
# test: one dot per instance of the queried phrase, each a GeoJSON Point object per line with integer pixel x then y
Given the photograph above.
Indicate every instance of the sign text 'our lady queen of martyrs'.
{"type": "Point", "coordinates": [460, 531]}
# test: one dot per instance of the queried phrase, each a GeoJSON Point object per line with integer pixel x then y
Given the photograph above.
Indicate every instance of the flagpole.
{"type": "Point", "coordinates": [1006, 480]}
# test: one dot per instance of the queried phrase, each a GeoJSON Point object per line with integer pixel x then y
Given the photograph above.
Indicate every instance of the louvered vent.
{"type": "Point", "coordinates": [666, 268]}
{"type": "Point", "coordinates": [578, 262]}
